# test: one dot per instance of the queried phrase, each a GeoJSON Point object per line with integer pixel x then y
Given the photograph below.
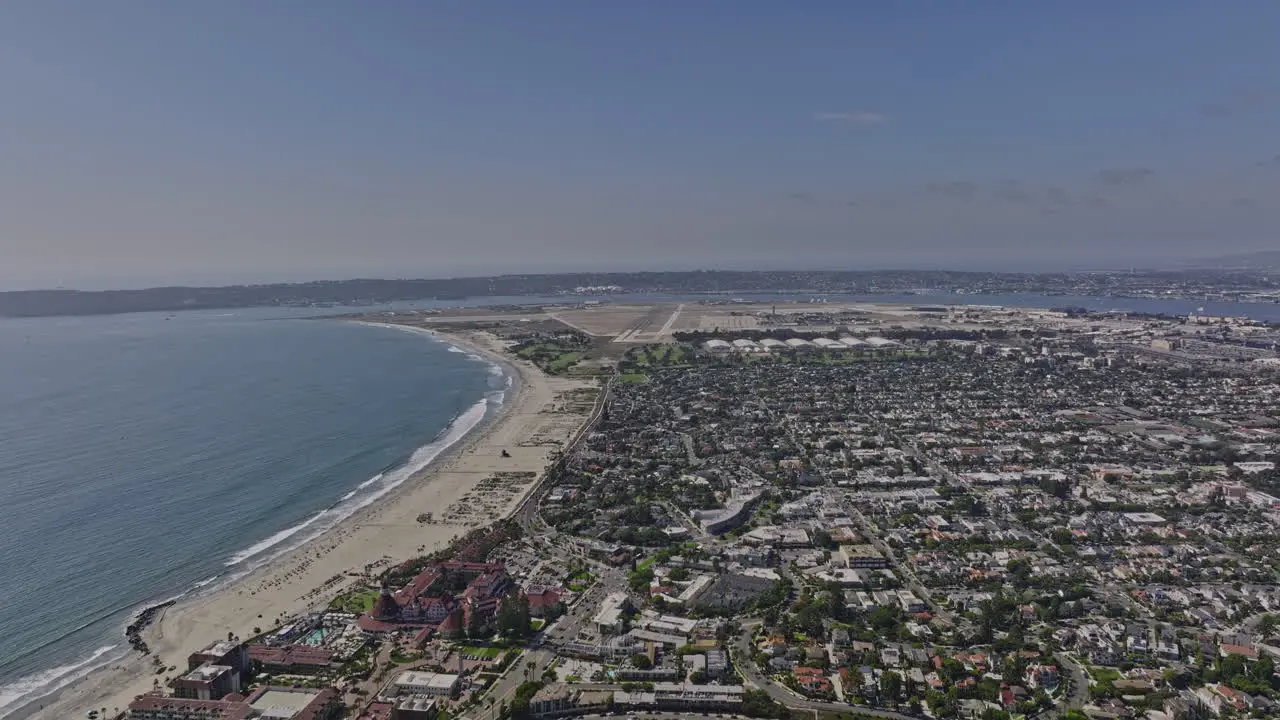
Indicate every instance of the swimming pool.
{"type": "Point", "coordinates": [315, 637]}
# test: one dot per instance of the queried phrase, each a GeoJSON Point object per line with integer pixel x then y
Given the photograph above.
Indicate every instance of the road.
{"type": "Point", "coordinates": [1079, 694]}
{"type": "Point", "coordinates": [563, 630]}
{"type": "Point", "coordinates": [913, 582]}
{"type": "Point", "coordinates": [920, 589]}
{"type": "Point", "coordinates": [695, 531]}
{"type": "Point", "coordinates": [504, 689]}
{"type": "Point", "coordinates": [526, 514]}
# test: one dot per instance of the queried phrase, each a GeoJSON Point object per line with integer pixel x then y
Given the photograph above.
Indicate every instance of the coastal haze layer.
{"type": "Point", "coordinates": [389, 528]}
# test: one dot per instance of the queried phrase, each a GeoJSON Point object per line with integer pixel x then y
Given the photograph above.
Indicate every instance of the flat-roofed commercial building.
{"type": "Point", "coordinates": [413, 682]}
{"type": "Point", "coordinates": [290, 703]}
{"type": "Point", "coordinates": [863, 556]}
{"type": "Point", "coordinates": [207, 682]}
{"type": "Point", "coordinates": [684, 696]}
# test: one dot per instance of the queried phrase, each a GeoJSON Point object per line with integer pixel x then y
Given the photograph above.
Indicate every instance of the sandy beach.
{"type": "Point", "coordinates": [458, 490]}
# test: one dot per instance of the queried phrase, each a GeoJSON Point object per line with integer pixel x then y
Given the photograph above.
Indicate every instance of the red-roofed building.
{"type": "Point", "coordinates": [371, 626]}
{"type": "Point", "coordinates": [1234, 699]}
{"type": "Point", "coordinates": [1042, 676]}
{"type": "Point", "coordinates": [542, 599]}
{"type": "Point", "coordinates": [386, 608]}
{"type": "Point", "coordinates": [292, 659]}
{"type": "Point", "coordinates": [1007, 698]}
{"type": "Point", "coordinates": [278, 703]}
{"type": "Point", "coordinates": [431, 597]}
{"type": "Point", "coordinates": [423, 636]}
{"type": "Point", "coordinates": [1248, 652]}
{"type": "Point", "coordinates": [452, 626]}
{"type": "Point", "coordinates": [811, 679]}
{"type": "Point", "coordinates": [154, 706]}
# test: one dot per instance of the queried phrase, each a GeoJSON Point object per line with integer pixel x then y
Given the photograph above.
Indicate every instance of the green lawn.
{"type": "Point", "coordinates": [355, 602]}
{"type": "Point", "coordinates": [553, 357]}
{"type": "Point", "coordinates": [537, 623]}
{"type": "Point", "coordinates": [633, 379]}
{"type": "Point", "coordinates": [488, 653]}
{"type": "Point", "coordinates": [565, 361]}
{"type": "Point", "coordinates": [539, 349]}
{"type": "Point", "coordinates": [580, 580]}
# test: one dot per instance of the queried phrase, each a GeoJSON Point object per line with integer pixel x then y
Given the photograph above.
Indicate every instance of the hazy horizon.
{"type": "Point", "coordinates": [222, 143]}
{"type": "Point", "coordinates": [210, 281]}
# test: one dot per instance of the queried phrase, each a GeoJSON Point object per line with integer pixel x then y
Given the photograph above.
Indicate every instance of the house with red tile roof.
{"type": "Point", "coordinates": [1248, 652]}
{"type": "Point", "coordinates": [812, 679]}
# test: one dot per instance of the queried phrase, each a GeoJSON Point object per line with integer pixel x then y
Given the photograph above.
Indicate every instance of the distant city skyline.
{"type": "Point", "coordinates": [149, 144]}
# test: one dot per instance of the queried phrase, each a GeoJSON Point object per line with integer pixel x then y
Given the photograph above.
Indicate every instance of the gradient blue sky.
{"type": "Point", "coordinates": [148, 142]}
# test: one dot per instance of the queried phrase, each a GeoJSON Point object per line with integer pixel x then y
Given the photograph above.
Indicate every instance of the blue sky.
{"type": "Point", "coordinates": [150, 142]}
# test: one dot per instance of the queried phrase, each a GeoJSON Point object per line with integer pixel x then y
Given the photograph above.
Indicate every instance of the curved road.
{"type": "Point", "coordinates": [752, 675]}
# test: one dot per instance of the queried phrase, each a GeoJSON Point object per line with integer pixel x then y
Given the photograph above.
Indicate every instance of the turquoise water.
{"type": "Point", "coordinates": [315, 637]}
{"type": "Point", "coordinates": [147, 456]}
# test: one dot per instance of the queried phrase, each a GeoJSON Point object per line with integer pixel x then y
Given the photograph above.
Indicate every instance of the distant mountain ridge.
{"type": "Point", "coordinates": [1262, 260]}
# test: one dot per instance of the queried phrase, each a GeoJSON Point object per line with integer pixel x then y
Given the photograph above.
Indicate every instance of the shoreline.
{"type": "Point", "coordinates": [305, 577]}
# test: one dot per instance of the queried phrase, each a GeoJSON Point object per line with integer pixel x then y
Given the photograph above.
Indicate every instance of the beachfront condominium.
{"type": "Point", "coordinates": [214, 672]}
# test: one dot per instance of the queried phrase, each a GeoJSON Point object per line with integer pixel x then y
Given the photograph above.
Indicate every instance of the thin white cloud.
{"type": "Point", "coordinates": [856, 117]}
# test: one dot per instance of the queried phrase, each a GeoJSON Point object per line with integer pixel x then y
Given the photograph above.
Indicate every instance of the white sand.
{"type": "Point", "coordinates": [387, 531]}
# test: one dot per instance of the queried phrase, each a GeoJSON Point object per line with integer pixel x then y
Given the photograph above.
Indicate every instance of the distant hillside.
{"type": "Point", "coordinates": [36, 303]}
{"type": "Point", "coordinates": [364, 292]}
{"type": "Point", "coordinates": [1264, 260]}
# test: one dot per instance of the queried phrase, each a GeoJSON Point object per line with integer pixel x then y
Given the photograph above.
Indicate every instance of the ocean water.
{"type": "Point", "coordinates": [147, 456]}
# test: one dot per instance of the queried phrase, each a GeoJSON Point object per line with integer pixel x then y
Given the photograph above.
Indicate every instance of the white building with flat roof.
{"type": "Point", "coordinates": [279, 703]}
{"type": "Point", "coordinates": [1144, 519]}
{"type": "Point", "coordinates": [414, 682]}
{"type": "Point", "coordinates": [609, 620]}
